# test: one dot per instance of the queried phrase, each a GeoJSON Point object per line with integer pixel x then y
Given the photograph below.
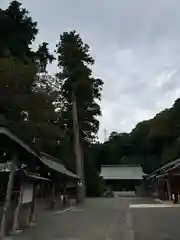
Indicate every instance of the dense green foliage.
{"type": "Point", "coordinates": [151, 143]}
{"type": "Point", "coordinates": [74, 63]}
{"type": "Point", "coordinates": [24, 100]}
{"type": "Point", "coordinates": [38, 106]}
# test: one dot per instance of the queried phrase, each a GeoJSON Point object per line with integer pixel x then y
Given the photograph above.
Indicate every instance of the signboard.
{"type": "Point", "coordinates": [27, 193]}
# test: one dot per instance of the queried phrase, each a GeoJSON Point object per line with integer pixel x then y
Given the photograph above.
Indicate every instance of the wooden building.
{"type": "Point", "coordinates": [60, 177]}
{"type": "Point", "coordinates": [19, 154]}
{"type": "Point", "coordinates": [122, 177]}
{"type": "Point", "coordinates": [165, 181]}
{"type": "Point", "coordinates": [23, 173]}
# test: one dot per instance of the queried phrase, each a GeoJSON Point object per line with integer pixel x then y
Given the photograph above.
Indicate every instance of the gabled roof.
{"type": "Point", "coordinates": [5, 131]}
{"type": "Point", "coordinates": [56, 165]}
{"type": "Point", "coordinates": [165, 169]}
{"type": "Point", "coordinates": [8, 134]}
{"type": "Point", "coordinates": [46, 159]}
{"type": "Point", "coordinates": [115, 172]}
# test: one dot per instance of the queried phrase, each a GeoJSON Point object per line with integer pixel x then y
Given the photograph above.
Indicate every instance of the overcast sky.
{"type": "Point", "coordinates": [136, 46]}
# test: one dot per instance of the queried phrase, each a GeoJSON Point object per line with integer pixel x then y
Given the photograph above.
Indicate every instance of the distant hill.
{"type": "Point", "coordinates": [151, 143]}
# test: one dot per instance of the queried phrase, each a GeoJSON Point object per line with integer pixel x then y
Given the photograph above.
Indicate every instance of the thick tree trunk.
{"type": "Point", "coordinates": [7, 202]}
{"type": "Point", "coordinates": [78, 152]}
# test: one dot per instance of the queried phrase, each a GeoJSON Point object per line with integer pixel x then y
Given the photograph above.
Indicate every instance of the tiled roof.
{"type": "Point", "coordinates": [122, 172]}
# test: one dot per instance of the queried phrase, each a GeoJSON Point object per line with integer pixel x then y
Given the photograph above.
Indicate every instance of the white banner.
{"type": "Point", "coordinates": [27, 193]}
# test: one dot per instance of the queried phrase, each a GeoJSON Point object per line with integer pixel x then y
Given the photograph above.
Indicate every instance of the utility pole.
{"type": "Point", "coordinates": [78, 152]}
{"type": "Point", "coordinates": [105, 135]}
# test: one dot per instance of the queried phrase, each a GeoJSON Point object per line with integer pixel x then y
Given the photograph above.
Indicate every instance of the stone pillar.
{"type": "Point", "coordinates": [32, 217]}
{"type": "Point", "coordinates": [157, 188]}
{"type": "Point", "coordinates": [7, 201]}
{"type": "Point", "coordinates": [168, 189]}
{"type": "Point", "coordinates": [53, 197]}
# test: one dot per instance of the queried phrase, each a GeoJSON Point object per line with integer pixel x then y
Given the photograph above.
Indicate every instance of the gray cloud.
{"type": "Point", "coordinates": [136, 45]}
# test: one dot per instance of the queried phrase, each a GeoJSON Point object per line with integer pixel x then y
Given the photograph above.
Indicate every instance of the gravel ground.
{"type": "Point", "coordinates": [107, 219]}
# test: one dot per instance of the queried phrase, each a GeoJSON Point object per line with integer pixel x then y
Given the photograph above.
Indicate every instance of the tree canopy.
{"type": "Point", "coordinates": [18, 31]}
{"type": "Point", "coordinates": [24, 98]}
{"type": "Point", "coordinates": [75, 74]}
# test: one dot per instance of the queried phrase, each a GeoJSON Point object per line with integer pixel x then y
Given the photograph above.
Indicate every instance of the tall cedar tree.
{"type": "Point", "coordinates": [18, 31]}
{"type": "Point", "coordinates": [26, 91]}
{"type": "Point", "coordinates": [75, 74]}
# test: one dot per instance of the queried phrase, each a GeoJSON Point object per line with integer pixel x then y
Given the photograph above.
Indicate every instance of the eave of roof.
{"type": "Point", "coordinates": [35, 176]}
{"type": "Point", "coordinates": [5, 131]}
{"type": "Point", "coordinates": [56, 165]}
{"type": "Point", "coordinates": [119, 172]}
{"type": "Point", "coordinates": [45, 158]}
{"type": "Point", "coordinates": [165, 169]}
{"type": "Point", "coordinates": [123, 165]}
{"type": "Point", "coordinates": [27, 174]}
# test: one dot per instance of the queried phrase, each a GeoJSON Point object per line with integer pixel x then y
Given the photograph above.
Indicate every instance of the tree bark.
{"type": "Point", "coordinates": [78, 153]}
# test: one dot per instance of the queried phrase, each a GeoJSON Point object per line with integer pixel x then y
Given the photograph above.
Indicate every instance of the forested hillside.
{"type": "Point", "coordinates": [151, 143]}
